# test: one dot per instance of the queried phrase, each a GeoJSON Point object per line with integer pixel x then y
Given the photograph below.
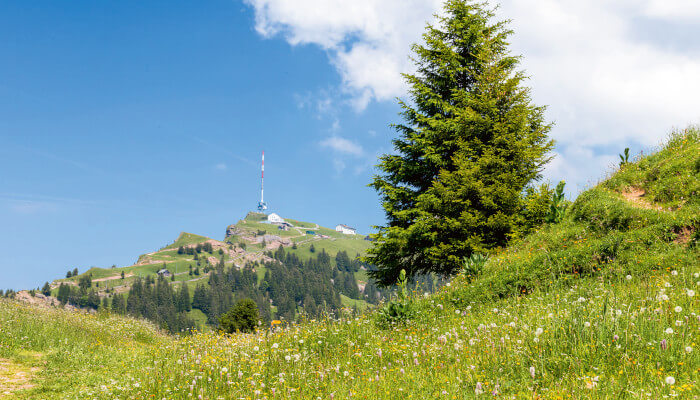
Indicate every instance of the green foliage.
{"type": "Point", "coordinates": [46, 289]}
{"type": "Point", "coordinates": [474, 265]}
{"type": "Point", "coordinates": [625, 157]}
{"type": "Point", "coordinates": [242, 317]}
{"type": "Point", "coordinates": [85, 282]}
{"type": "Point", "coordinates": [470, 145]}
{"type": "Point", "coordinates": [400, 309]}
{"type": "Point", "coordinates": [558, 205]}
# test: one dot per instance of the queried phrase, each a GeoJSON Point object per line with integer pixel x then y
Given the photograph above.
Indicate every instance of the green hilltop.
{"type": "Point", "coordinates": [600, 305]}
{"type": "Point", "coordinates": [237, 248]}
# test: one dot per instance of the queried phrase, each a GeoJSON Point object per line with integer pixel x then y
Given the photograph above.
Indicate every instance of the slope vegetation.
{"type": "Point", "coordinates": [602, 305]}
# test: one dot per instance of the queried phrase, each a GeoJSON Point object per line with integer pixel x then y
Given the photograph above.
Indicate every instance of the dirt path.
{"type": "Point", "coordinates": [111, 278]}
{"type": "Point", "coordinates": [15, 377]}
{"type": "Point", "coordinates": [635, 196]}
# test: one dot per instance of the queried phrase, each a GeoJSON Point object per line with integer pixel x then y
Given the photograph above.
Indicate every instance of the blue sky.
{"type": "Point", "coordinates": [125, 123]}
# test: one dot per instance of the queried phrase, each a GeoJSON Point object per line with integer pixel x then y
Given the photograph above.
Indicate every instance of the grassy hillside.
{"type": "Point", "coordinates": [602, 305]}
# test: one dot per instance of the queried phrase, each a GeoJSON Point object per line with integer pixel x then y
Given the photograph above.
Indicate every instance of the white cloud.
{"type": "Point", "coordinates": [673, 9]}
{"type": "Point", "coordinates": [342, 146]}
{"type": "Point", "coordinates": [368, 41]}
{"type": "Point", "coordinates": [221, 167]}
{"type": "Point", "coordinates": [606, 87]}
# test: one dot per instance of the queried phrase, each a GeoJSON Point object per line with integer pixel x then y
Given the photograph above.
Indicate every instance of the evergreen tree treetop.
{"type": "Point", "coordinates": [470, 144]}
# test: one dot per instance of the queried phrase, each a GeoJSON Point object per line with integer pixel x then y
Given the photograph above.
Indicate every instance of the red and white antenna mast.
{"type": "Point", "coordinates": [262, 206]}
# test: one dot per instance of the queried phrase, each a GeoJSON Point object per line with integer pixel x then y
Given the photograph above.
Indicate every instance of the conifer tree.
{"type": "Point", "coordinates": [470, 145]}
{"type": "Point", "coordinates": [46, 290]}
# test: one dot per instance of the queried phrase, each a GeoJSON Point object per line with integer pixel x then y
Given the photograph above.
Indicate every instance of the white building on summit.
{"type": "Point", "coordinates": [346, 229]}
{"type": "Point", "coordinates": [274, 219]}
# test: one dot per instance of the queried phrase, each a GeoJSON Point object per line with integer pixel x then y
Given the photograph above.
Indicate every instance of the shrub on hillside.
{"type": "Point", "coordinates": [242, 317]}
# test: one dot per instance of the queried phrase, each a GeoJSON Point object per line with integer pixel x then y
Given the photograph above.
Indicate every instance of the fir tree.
{"type": "Point", "coordinates": [470, 144]}
{"type": "Point", "coordinates": [46, 290]}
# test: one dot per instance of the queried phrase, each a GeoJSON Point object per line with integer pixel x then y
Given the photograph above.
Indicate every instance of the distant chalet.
{"type": "Point", "coordinates": [346, 229]}
{"type": "Point", "coordinates": [164, 272]}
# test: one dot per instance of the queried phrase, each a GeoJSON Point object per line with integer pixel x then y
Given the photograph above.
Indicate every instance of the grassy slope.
{"type": "Point", "coordinates": [577, 310]}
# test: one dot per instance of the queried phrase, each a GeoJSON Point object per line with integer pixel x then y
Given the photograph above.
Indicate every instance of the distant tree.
{"type": "Point", "coordinates": [85, 282]}
{"type": "Point", "coordinates": [294, 246]}
{"type": "Point", "coordinates": [75, 271]}
{"type": "Point", "coordinates": [2, 293]}
{"type": "Point", "coordinates": [243, 245]}
{"type": "Point", "coordinates": [122, 274]}
{"type": "Point", "coordinates": [470, 144]}
{"type": "Point", "coordinates": [312, 249]}
{"type": "Point", "coordinates": [105, 303]}
{"type": "Point", "coordinates": [221, 252]}
{"type": "Point", "coordinates": [93, 300]}
{"type": "Point", "coordinates": [198, 248]}
{"type": "Point", "coordinates": [69, 274]}
{"type": "Point", "coordinates": [118, 304]}
{"type": "Point", "coordinates": [183, 299]}
{"type": "Point", "coordinates": [190, 269]}
{"type": "Point", "coordinates": [242, 317]}
{"type": "Point", "coordinates": [114, 265]}
{"type": "Point", "coordinates": [180, 250]}
{"type": "Point", "coordinates": [172, 277]}
{"type": "Point", "coordinates": [63, 293]}
{"type": "Point", "coordinates": [196, 271]}
{"type": "Point", "coordinates": [201, 299]}
{"type": "Point", "coordinates": [46, 290]}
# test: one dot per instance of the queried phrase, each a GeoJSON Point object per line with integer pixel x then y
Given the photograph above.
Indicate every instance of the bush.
{"type": "Point", "coordinates": [400, 309]}
{"type": "Point", "coordinates": [242, 317]}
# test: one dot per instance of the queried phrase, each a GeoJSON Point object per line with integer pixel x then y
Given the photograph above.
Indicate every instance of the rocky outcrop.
{"type": "Point", "coordinates": [233, 230]}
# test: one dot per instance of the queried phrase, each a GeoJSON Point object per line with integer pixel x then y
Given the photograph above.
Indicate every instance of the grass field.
{"type": "Point", "coordinates": [603, 305]}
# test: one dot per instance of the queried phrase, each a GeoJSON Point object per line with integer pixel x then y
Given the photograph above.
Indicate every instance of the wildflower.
{"type": "Point", "coordinates": [616, 337]}
{"type": "Point", "coordinates": [587, 324]}
{"type": "Point", "coordinates": [670, 380]}
{"type": "Point", "coordinates": [457, 312]}
{"type": "Point", "coordinates": [256, 348]}
{"type": "Point", "coordinates": [478, 389]}
{"type": "Point", "coordinates": [275, 345]}
{"type": "Point", "coordinates": [690, 293]}
{"type": "Point", "coordinates": [224, 370]}
{"type": "Point", "coordinates": [688, 349]}
{"type": "Point", "coordinates": [287, 357]}
{"type": "Point", "coordinates": [664, 297]}
{"type": "Point", "coordinates": [664, 345]}
{"type": "Point", "coordinates": [674, 272]}
{"type": "Point", "coordinates": [538, 332]}
{"type": "Point", "coordinates": [346, 373]}
{"type": "Point", "coordinates": [628, 277]}
{"type": "Point", "coordinates": [669, 331]}
{"type": "Point", "coordinates": [679, 323]}
{"type": "Point", "coordinates": [532, 372]}
{"type": "Point", "coordinates": [592, 383]}
{"type": "Point", "coordinates": [678, 309]}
